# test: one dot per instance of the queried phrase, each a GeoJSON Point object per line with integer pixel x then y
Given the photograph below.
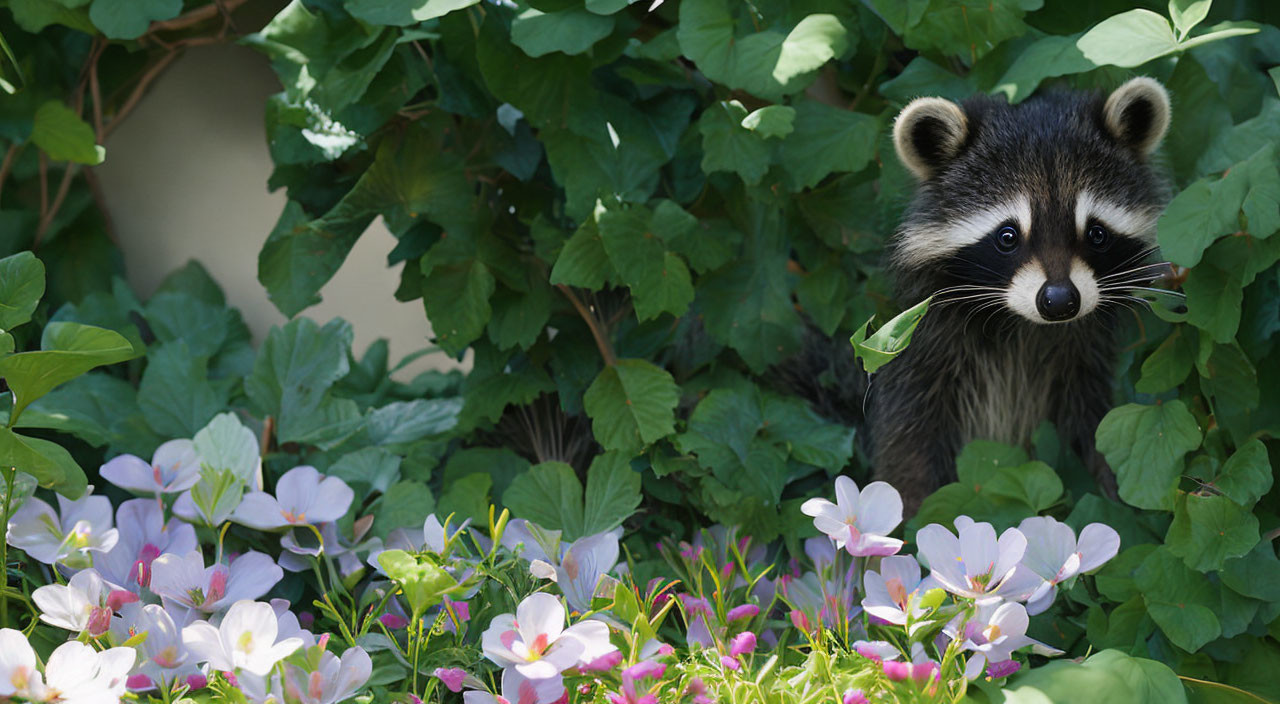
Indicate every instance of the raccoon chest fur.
{"type": "Point", "coordinates": [1003, 397]}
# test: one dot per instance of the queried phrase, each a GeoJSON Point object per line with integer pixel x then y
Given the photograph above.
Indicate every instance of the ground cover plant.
{"type": "Point", "coordinates": [645, 224]}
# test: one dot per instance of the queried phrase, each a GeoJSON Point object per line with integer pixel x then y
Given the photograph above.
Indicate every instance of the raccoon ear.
{"type": "Point", "coordinates": [928, 133]}
{"type": "Point", "coordinates": [1137, 114]}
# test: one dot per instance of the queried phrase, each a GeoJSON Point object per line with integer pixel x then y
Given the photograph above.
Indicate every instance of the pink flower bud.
{"type": "Point", "coordinates": [997, 670]}
{"type": "Point", "coordinates": [197, 681]}
{"type": "Point", "coordinates": [665, 650]}
{"type": "Point", "coordinates": [854, 696]}
{"type": "Point", "coordinates": [393, 621]}
{"type": "Point", "coordinates": [696, 686]}
{"type": "Point", "coordinates": [604, 663]}
{"type": "Point", "coordinates": [645, 668]}
{"type": "Point", "coordinates": [925, 671]}
{"type": "Point", "coordinates": [306, 619]}
{"type": "Point", "coordinates": [744, 611]}
{"type": "Point", "coordinates": [139, 683]}
{"type": "Point", "coordinates": [896, 671]}
{"type": "Point", "coordinates": [742, 643]}
{"type": "Point", "coordinates": [451, 677]}
{"type": "Point", "coordinates": [726, 571]}
{"type": "Point", "coordinates": [730, 663]}
{"type": "Point", "coordinates": [119, 597]}
{"type": "Point", "coordinates": [800, 620]}
{"type": "Point", "coordinates": [99, 621]}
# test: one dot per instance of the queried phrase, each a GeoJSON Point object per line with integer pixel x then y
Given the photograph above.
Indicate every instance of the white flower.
{"type": "Point", "coordinates": [184, 581]}
{"type": "Point", "coordinates": [585, 562]}
{"type": "Point", "coordinates": [246, 639]}
{"type": "Point", "coordinates": [1054, 555]}
{"type": "Point", "coordinates": [304, 496]}
{"type": "Point", "coordinates": [84, 528]}
{"type": "Point", "coordinates": [976, 564]}
{"type": "Point", "coordinates": [335, 680]}
{"type": "Point", "coordinates": [165, 657]}
{"type": "Point", "coordinates": [892, 592]}
{"type": "Point", "coordinates": [518, 689]}
{"type": "Point", "coordinates": [535, 641]}
{"type": "Point", "coordinates": [859, 522]}
{"type": "Point", "coordinates": [74, 674]}
{"type": "Point", "coordinates": [994, 632]}
{"type": "Point", "coordinates": [84, 603]}
{"type": "Point", "coordinates": [144, 536]}
{"type": "Point", "coordinates": [174, 468]}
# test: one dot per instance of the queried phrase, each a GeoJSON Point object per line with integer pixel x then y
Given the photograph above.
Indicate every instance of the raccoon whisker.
{"type": "Point", "coordinates": [1138, 270]}
{"type": "Point", "coordinates": [1139, 256]}
{"type": "Point", "coordinates": [980, 265]}
{"type": "Point", "coordinates": [975, 297]}
{"type": "Point", "coordinates": [989, 305]}
{"type": "Point", "coordinates": [1161, 291]}
{"type": "Point", "coordinates": [966, 287]}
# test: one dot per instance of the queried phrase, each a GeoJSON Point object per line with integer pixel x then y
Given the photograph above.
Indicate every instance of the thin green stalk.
{"type": "Point", "coordinates": [10, 473]}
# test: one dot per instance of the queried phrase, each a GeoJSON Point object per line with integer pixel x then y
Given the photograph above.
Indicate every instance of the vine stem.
{"type": "Point", "coordinates": [597, 332]}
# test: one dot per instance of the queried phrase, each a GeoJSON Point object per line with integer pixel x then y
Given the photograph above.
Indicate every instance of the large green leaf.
{"type": "Point", "coordinates": [129, 19]}
{"type": "Point", "coordinates": [550, 495]}
{"type": "Point", "coordinates": [1207, 530]}
{"type": "Point", "coordinates": [728, 146]}
{"type": "Point", "coordinates": [613, 493]}
{"type": "Point", "coordinates": [769, 63]}
{"type": "Point", "coordinates": [570, 31]}
{"type": "Point", "coordinates": [1246, 475]}
{"type": "Point", "coordinates": [60, 133]}
{"type": "Point", "coordinates": [1048, 57]}
{"type": "Point", "coordinates": [1180, 600]}
{"type": "Point", "coordinates": [659, 280]}
{"type": "Point", "coordinates": [827, 140]}
{"type": "Point", "coordinates": [1135, 37]}
{"type": "Point", "coordinates": [98, 408]}
{"type": "Point", "coordinates": [1210, 208]}
{"type": "Point", "coordinates": [67, 350]}
{"type": "Point", "coordinates": [423, 581]}
{"type": "Point", "coordinates": [403, 13]}
{"type": "Point", "coordinates": [456, 297]}
{"type": "Point", "coordinates": [878, 348]}
{"type": "Point", "coordinates": [48, 462]}
{"type": "Point", "coordinates": [294, 370]}
{"type": "Point", "coordinates": [1110, 675]}
{"type": "Point", "coordinates": [175, 394]}
{"type": "Point", "coordinates": [1144, 446]}
{"type": "Point", "coordinates": [403, 505]}
{"type": "Point", "coordinates": [631, 404]}
{"type": "Point", "coordinates": [21, 286]}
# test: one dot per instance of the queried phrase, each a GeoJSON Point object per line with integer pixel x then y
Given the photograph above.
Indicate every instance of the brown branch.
{"type": "Point", "coordinates": [196, 16]}
{"type": "Point", "coordinates": [1271, 535]}
{"type": "Point", "coordinates": [10, 156]}
{"type": "Point", "coordinates": [602, 340]}
{"type": "Point", "coordinates": [63, 189]}
{"type": "Point", "coordinates": [44, 183]}
{"type": "Point", "coordinates": [95, 90]}
{"type": "Point", "coordinates": [145, 82]}
{"type": "Point", "coordinates": [95, 187]}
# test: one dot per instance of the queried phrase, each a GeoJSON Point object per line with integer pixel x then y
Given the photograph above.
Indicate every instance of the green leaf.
{"type": "Point", "coordinates": [98, 408]}
{"type": "Point", "coordinates": [1128, 39]}
{"type": "Point", "coordinates": [631, 404]}
{"type": "Point", "coordinates": [550, 495]}
{"type": "Point", "coordinates": [225, 444]}
{"type": "Point", "coordinates": [179, 317]}
{"type": "Point", "coordinates": [881, 347]}
{"type": "Point", "coordinates": [1169, 364]}
{"type": "Point", "coordinates": [1255, 575]}
{"type": "Point", "coordinates": [456, 297]}
{"type": "Point", "coordinates": [371, 469]}
{"type": "Point", "coordinates": [1207, 530]}
{"type": "Point", "coordinates": [1246, 475]}
{"type": "Point", "coordinates": [129, 19]}
{"type": "Point", "coordinates": [658, 280]}
{"type": "Point", "coordinates": [402, 422]}
{"type": "Point", "coordinates": [60, 133]}
{"type": "Point", "coordinates": [1181, 601]}
{"type": "Point", "coordinates": [1144, 446]}
{"type": "Point", "coordinates": [402, 13]}
{"type": "Point", "coordinates": [728, 146]}
{"type": "Point", "coordinates": [769, 63]}
{"type": "Point", "coordinates": [294, 370]}
{"type": "Point", "coordinates": [175, 394]}
{"type": "Point", "coordinates": [67, 351]}
{"type": "Point", "coordinates": [424, 582]}
{"type": "Point", "coordinates": [403, 505]}
{"type": "Point", "coordinates": [48, 462]}
{"type": "Point", "coordinates": [21, 286]}
{"type": "Point", "coordinates": [1209, 209]}
{"type": "Point", "coordinates": [468, 497]}
{"type": "Point", "coordinates": [827, 140]}
{"type": "Point", "coordinates": [771, 120]}
{"type": "Point", "coordinates": [570, 31]}
{"type": "Point", "coordinates": [583, 261]}
{"type": "Point", "coordinates": [1109, 675]}
{"type": "Point", "coordinates": [1187, 14]}
{"type": "Point", "coordinates": [996, 482]}
{"type": "Point", "coordinates": [1048, 57]}
{"type": "Point", "coordinates": [613, 493]}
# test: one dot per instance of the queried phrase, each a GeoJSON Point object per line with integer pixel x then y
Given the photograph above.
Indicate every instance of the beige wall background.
{"type": "Point", "coordinates": [186, 178]}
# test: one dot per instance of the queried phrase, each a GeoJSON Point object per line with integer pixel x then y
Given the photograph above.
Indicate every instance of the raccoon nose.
{"type": "Point", "coordinates": [1058, 301]}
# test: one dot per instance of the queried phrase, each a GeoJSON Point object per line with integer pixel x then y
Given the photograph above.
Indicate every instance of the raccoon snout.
{"type": "Point", "coordinates": [1058, 301]}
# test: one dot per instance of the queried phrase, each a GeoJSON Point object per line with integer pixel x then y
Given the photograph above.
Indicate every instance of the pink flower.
{"type": "Point", "coordinates": [854, 696]}
{"type": "Point", "coordinates": [799, 620]}
{"type": "Point", "coordinates": [604, 663]}
{"type": "Point", "coordinates": [730, 663]}
{"type": "Point", "coordinates": [197, 681]}
{"type": "Point", "coordinates": [645, 668]}
{"type": "Point", "coordinates": [394, 621]}
{"type": "Point", "coordinates": [925, 671]}
{"type": "Point", "coordinates": [859, 522]}
{"type": "Point", "coordinates": [451, 677]}
{"type": "Point", "coordinates": [742, 643]}
{"type": "Point", "coordinates": [744, 611]}
{"type": "Point", "coordinates": [997, 670]}
{"type": "Point", "coordinates": [139, 683]}
{"type": "Point", "coordinates": [896, 671]}
{"type": "Point", "coordinates": [876, 650]}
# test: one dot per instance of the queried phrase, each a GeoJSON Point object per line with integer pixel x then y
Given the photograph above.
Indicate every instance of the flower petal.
{"type": "Point", "coordinates": [880, 508]}
{"type": "Point", "coordinates": [1098, 544]}
{"type": "Point", "coordinates": [540, 614]}
{"type": "Point", "coordinates": [130, 472]}
{"type": "Point", "coordinates": [260, 510]}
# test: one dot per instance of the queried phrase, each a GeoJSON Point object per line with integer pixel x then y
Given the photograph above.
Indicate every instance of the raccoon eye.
{"type": "Point", "coordinates": [1098, 237]}
{"type": "Point", "coordinates": [1007, 238]}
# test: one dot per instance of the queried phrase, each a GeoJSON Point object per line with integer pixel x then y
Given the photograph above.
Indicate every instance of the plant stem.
{"type": "Point", "coordinates": [597, 332]}
{"type": "Point", "coordinates": [10, 473]}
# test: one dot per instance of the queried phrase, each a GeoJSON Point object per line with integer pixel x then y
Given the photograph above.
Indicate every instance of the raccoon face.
{"type": "Point", "coordinates": [1046, 209]}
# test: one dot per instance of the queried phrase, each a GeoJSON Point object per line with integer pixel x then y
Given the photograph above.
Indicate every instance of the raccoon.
{"type": "Point", "coordinates": [1031, 227]}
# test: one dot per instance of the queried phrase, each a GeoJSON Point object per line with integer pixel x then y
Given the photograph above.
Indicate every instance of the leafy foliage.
{"type": "Point", "coordinates": [635, 221]}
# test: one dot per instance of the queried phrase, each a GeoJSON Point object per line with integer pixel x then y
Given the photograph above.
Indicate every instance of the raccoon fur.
{"type": "Point", "coordinates": [1031, 227]}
